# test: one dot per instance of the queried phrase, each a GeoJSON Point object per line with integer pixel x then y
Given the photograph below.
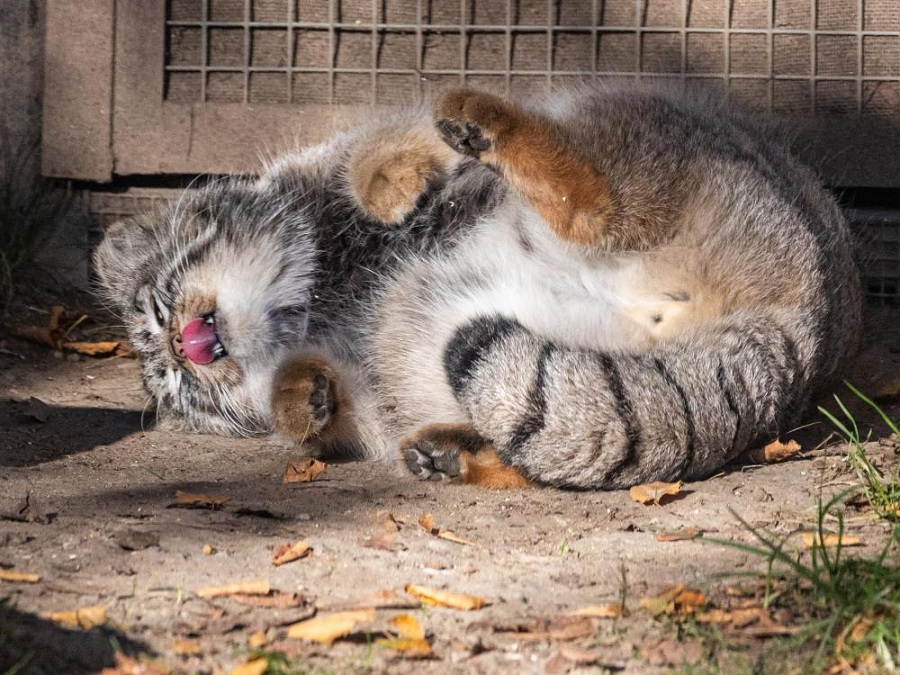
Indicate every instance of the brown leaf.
{"type": "Point", "coordinates": [200, 501]}
{"type": "Point", "coordinates": [776, 451]}
{"type": "Point", "coordinates": [678, 600]}
{"type": "Point", "coordinates": [426, 521]}
{"type": "Point", "coordinates": [185, 647]}
{"type": "Point", "coordinates": [327, 629]}
{"type": "Point", "coordinates": [577, 655]}
{"type": "Point", "coordinates": [386, 599]}
{"type": "Point", "coordinates": [408, 648]}
{"type": "Point", "coordinates": [92, 348]}
{"type": "Point", "coordinates": [254, 667]}
{"type": "Point", "coordinates": [252, 587]}
{"type": "Point", "coordinates": [439, 598]}
{"type": "Point", "coordinates": [304, 471]}
{"type": "Point", "coordinates": [84, 618]}
{"type": "Point", "coordinates": [290, 552]}
{"type": "Point", "coordinates": [684, 534]}
{"type": "Point", "coordinates": [19, 577]}
{"type": "Point", "coordinates": [257, 640]}
{"type": "Point", "coordinates": [571, 628]}
{"type": "Point", "coordinates": [655, 493]}
{"type": "Point", "coordinates": [673, 653]}
{"type": "Point", "coordinates": [411, 642]}
{"type": "Point", "coordinates": [811, 539]}
{"type": "Point", "coordinates": [385, 541]}
{"type": "Point", "coordinates": [271, 600]}
{"type": "Point", "coordinates": [739, 618]}
{"type": "Point", "coordinates": [613, 610]}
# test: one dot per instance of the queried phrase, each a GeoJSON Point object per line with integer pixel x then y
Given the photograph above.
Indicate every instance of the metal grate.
{"type": "Point", "coordinates": [790, 56]}
{"type": "Point", "coordinates": [878, 233]}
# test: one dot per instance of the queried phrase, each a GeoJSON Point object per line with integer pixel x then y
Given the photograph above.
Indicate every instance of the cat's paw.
{"type": "Point", "coordinates": [434, 452]}
{"type": "Point", "coordinates": [472, 122]}
{"type": "Point", "coordinates": [303, 398]}
{"type": "Point", "coordinates": [428, 460]}
{"type": "Point", "coordinates": [389, 190]}
{"type": "Point", "coordinates": [389, 175]}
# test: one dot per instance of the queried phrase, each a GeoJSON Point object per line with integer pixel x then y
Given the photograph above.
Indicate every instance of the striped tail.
{"type": "Point", "coordinates": [592, 419]}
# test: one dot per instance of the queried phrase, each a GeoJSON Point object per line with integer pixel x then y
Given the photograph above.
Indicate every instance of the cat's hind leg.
{"type": "Point", "coordinates": [457, 452]}
{"type": "Point", "coordinates": [531, 154]}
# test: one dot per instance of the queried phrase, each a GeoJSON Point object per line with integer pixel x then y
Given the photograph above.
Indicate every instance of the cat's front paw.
{"type": "Point", "coordinates": [472, 122]}
{"type": "Point", "coordinates": [304, 402]}
{"type": "Point", "coordinates": [389, 175]}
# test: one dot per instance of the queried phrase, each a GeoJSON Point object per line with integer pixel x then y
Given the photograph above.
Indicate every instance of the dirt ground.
{"type": "Point", "coordinates": [86, 493]}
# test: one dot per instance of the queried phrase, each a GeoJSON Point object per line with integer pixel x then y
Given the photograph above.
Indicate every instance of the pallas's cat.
{"type": "Point", "coordinates": [613, 285]}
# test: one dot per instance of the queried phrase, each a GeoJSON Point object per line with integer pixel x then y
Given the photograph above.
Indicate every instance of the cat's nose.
{"type": "Point", "coordinates": [178, 346]}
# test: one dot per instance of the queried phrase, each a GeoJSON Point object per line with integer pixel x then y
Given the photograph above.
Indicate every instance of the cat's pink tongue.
{"type": "Point", "coordinates": [198, 339]}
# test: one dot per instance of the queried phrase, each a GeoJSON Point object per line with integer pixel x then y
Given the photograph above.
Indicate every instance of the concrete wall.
{"type": "Point", "coordinates": [62, 253]}
{"type": "Point", "coordinates": [21, 68]}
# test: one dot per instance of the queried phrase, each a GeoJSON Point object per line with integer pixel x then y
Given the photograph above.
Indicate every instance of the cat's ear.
{"type": "Point", "coordinates": [121, 259]}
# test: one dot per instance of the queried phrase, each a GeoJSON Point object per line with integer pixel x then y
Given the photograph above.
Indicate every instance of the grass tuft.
{"type": "Point", "coordinates": [883, 492]}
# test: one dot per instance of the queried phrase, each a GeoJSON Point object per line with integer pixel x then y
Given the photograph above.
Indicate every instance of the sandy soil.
{"type": "Point", "coordinates": [86, 494]}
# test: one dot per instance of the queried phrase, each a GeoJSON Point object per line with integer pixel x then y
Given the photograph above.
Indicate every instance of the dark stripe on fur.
{"type": "Point", "coordinates": [534, 419]}
{"type": "Point", "coordinates": [470, 343]}
{"type": "Point", "coordinates": [732, 405]}
{"type": "Point", "coordinates": [625, 413]}
{"type": "Point", "coordinates": [690, 428]}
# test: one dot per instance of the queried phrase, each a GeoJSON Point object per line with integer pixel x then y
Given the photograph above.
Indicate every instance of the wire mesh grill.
{"type": "Point", "coordinates": [878, 238]}
{"type": "Point", "coordinates": [831, 56]}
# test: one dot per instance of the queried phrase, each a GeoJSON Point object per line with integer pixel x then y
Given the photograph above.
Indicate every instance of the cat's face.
{"type": "Point", "coordinates": [215, 292]}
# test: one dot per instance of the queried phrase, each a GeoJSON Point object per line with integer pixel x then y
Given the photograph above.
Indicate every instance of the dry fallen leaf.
{"type": "Point", "coordinates": [386, 599]}
{"type": "Point", "coordinates": [257, 640]}
{"type": "Point", "coordinates": [93, 348]}
{"type": "Point", "coordinates": [739, 618]}
{"type": "Point", "coordinates": [577, 655]}
{"type": "Point", "coordinates": [84, 618]}
{"type": "Point", "coordinates": [19, 577]}
{"type": "Point", "coordinates": [655, 493]}
{"type": "Point", "coordinates": [411, 641]}
{"type": "Point", "coordinates": [185, 647]}
{"type": "Point", "coordinates": [290, 552]}
{"type": "Point", "coordinates": [811, 539]}
{"type": "Point", "coordinates": [426, 521]}
{"type": "Point", "coordinates": [252, 587]}
{"type": "Point", "coordinates": [439, 598]}
{"type": "Point", "coordinates": [200, 501]}
{"type": "Point", "coordinates": [271, 600]}
{"type": "Point", "coordinates": [678, 600]}
{"type": "Point", "coordinates": [776, 451]}
{"type": "Point", "coordinates": [254, 667]}
{"type": "Point", "coordinates": [571, 628]}
{"type": "Point", "coordinates": [304, 471]}
{"type": "Point", "coordinates": [684, 534]}
{"type": "Point", "coordinates": [327, 629]}
{"type": "Point", "coordinates": [613, 610]}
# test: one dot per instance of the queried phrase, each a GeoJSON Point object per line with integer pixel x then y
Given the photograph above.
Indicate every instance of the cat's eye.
{"type": "Point", "coordinates": [157, 312]}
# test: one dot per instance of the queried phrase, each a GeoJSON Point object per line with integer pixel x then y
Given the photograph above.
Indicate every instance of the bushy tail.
{"type": "Point", "coordinates": [583, 418]}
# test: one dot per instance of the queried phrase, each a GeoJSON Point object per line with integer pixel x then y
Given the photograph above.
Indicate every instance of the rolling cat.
{"type": "Point", "coordinates": [612, 286]}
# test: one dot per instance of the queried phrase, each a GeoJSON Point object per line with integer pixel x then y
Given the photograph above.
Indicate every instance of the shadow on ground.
{"type": "Point", "coordinates": [30, 645]}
